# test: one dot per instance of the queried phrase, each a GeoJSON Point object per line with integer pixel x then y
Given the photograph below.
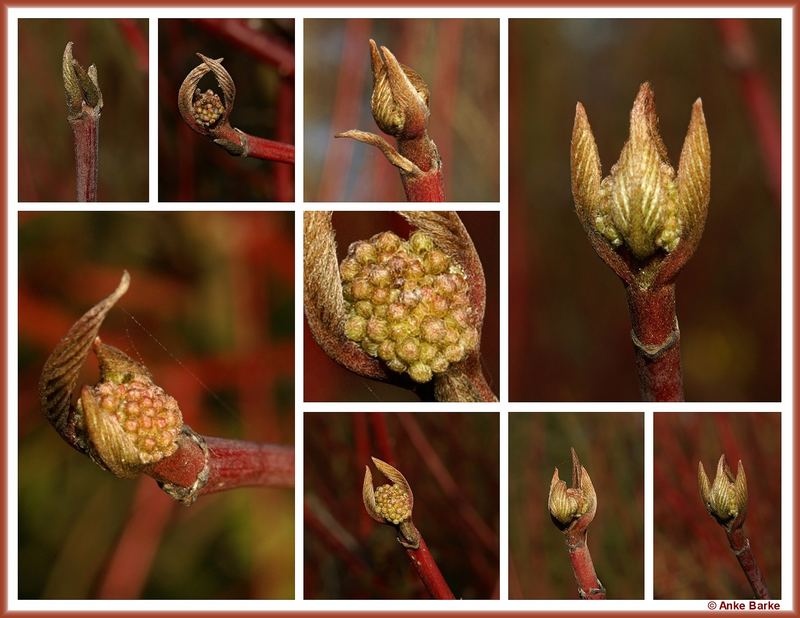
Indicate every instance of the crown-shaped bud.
{"type": "Point", "coordinates": [726, 497]}
{"type": "Point", "coordinates": [643, 209]}
{"type": "Point", "coordinates": [574, 506]}
{"type": "Point", "coordinates": [391, 504]}
{"type": "Point", "coordinates": [80, 85]}
{"type": "Point", "coordinates": [407, 303]}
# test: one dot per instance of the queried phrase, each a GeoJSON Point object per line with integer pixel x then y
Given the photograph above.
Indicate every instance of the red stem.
{"type": "Point", "coordinates": [589, 587]}
{"type": "Point", "coordinates": [86, 130]}
{"type": "Point", "coordinates": [243, 144]}
{"type": "Point", "coordinates": [429, 185]}
{"type": "Point", "coordinates": [231, 464]}
{"type": "Point", "coordinates": [259, 44]}
{"type": "Point", "coordinates": [740, 545]}
{"type": "Point", "coordinates": [428, 571]}
{"type": "Point", "coordinates": [657, 342]}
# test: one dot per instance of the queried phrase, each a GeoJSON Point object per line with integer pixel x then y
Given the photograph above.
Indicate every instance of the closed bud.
{"type": "Point", "coordinates": [726, 498]}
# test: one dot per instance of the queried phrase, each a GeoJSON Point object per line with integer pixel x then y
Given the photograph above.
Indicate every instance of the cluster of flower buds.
{"type": "Point", "coordinates": [207, 108]}
{"type": "Point", "coordinates": [726, 498]}
{"type": "Point", "coordinates": [150, 418]}
{"type": "Point", "coordinates": [391, 504]}
{"type": "Point", "coordinates": [407, 304]}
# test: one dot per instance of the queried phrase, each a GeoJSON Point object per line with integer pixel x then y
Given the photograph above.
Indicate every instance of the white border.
{"type": "Point", "coordinates": [504, 407]}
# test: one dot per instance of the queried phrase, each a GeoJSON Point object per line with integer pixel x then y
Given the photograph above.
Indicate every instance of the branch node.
{"type": "Point", "coordinates": [654, 351]}
{"type": "Point", "coordinates": [187, 495]}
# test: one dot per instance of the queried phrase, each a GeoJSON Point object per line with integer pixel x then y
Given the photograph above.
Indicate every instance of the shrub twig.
{"type": "Point", "coordinates": [645, 221]}
{"type": "Point", "coordinates": [84, 102]}
{"type": "Point", "coordinates": [130, 426]}
{"type": "Point", "coordinates": [400, 107]}
{"type": "Point", "coordinates": [393, 505]}
{"type": "Point", "coordinates": [726, 501]}
{"type": "Point", "coordinates": [208, 115]}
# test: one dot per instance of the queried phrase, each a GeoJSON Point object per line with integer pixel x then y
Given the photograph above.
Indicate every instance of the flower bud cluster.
{"type": "Point", "coordinates": [407, 304]}
{"type": "Point", "coordinates": [207, 108]}
{"type": "Point", "coordinates": [392, 503]}
{"type": "Point", "coordinates": [150, 417]}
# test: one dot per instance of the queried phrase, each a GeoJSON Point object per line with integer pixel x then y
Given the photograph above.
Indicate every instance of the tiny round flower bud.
{"type": "Point", "coordinates": [432, 329]}
{"type": "Point", "coordinates": [386, 350]}
{"type": "Point", "coordinates": [396, 312]}
{"type": "Point", "coordinates": [439, 364]}
{"type": "Point", "coordinates": [386, 242]}
{"type": "Point", "coordinates": [420, 372]}
{"type": "Point", "coordinates": [380, 277]}
{"type": "Point", "coordinates": [427, 352]}
{"type": "Point", "coordinates": [360, 289]}
{"type": "Point", "coordinates": [380, 296]}
{"type": "Point", "coordinates": [363, 252]}
{"type": "Point", "coordinates": [348, 269]}
{"type": "Point", "coordinates": [454, 353]}
{"type": "Point", "coordinates": [363, 308]}
{"type": "Point", "coordinates": [436, 262]}
{"type": "Point", "coordinates": [355, 328]}
{"type": "Point", "coordinates": [408, 350]}
{"type": "Point", "coordinates": [377, 329]}
{"type": "Point", "coordinates": [420, 242]}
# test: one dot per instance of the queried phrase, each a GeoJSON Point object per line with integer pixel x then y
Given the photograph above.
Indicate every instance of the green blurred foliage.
{"type": "Point", "coordinates": [692, 558]}
{"type": "Point", "coordinates": [347, 555]}
{"type": "Point", "coordinates": [567, 308]}
{"type": "Point", "coordinates": [611, 448]}
{"type": "Point", "coordinates": [326, 380]}
{"type": "Point", "coordinates": [459, 59]}
{"type": "Point", "coordinates": [190, 166]}
{"type": "Point", "coordinates": [46, 158]}
{"type": "Point", "coordinates": [210, 312]}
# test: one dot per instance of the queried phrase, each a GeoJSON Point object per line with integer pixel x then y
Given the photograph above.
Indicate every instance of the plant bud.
{"type": "Point", "coordinates": [407, 303]}
{"type": "Point", "coordinates": [726, 498]}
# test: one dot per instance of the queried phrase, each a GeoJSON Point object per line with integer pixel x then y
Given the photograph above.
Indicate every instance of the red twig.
{"type": "Point", "coordinates": [742, 58]}
{"type": "Point", "coordinates": [252, 146]}
{"type": "Point", "coordinates": [86, 133]}
{"type": "Point", "coordinates": [255, 42]}
{"type": "Point", "coordinates": [740, 545]}
{"type": "Point", "coordinates": [589, 587]}
{"type": "Point", "coordinates": [228, 464]}
{"type": "Point", "coordinates": [428, 571]}
{"type": "Point", "coordinates": [656, 339]}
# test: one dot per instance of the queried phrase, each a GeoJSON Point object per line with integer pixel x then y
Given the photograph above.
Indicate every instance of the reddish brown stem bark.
{"type": "Point", "coordinates": [656, 340]}
{"type": "Point", "coordinates": [428, 571]}
{"type": "Point", "coordinates": [589, 587]}
{"type": "Point", "coordinates": [86, 133]}
{"type": "Point", "coordinates": [231, 464]}
{"type": "Point", "coordinates": [242, 144]}
{"type": "Point", "coordinates": [427, 186]}
{"type": "Point", "coordinates": [740, 545]}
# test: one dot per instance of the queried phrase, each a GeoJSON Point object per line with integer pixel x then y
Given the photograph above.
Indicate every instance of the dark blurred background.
{"type": "Point", "coordinates": [190, 166]}
{"type": "Point", "coordinates": [567, 309]}
{"type": "Point", "coordinates": [611, 448]}
{"type": "Point", "coordinates": [119, 49]}
{"type": "Point", "coordinates": [692, 558]}
{"type": "Point", "coordinates": [459, 59]}
{"type": "Point", "coordinates": [326, 380]}
{"type": "Point", "coordinates": [451, 461]}
{"type": "Point", "coordinates": [210, 312]}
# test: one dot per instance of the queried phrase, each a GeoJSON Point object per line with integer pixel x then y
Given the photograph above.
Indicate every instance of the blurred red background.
{"type": "Point", "coordinates": [459, 59]}
{"type": "Point", "coordinates": [119, 49]}
{"type": "Point", "coordinates": [210, 313]}
{"type": "Point", "coordinates": [692, 558]}
{"type": "Point", "coordinates": [325, 380]}
{"type": "Point", "coordinates": [190, 166]}
{"type": "Point", "coordinates": [611, 448]}
{"type": "Point", "coordinates": [567, 309]}
{"type": "Point", "coordinates": [451, 461]}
